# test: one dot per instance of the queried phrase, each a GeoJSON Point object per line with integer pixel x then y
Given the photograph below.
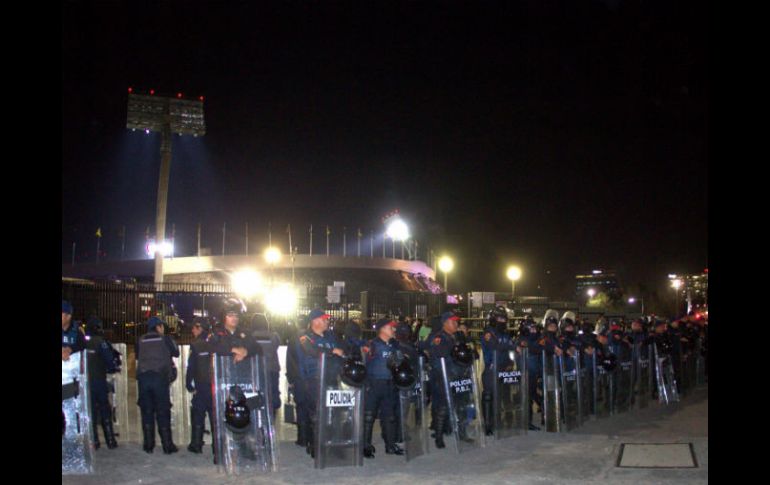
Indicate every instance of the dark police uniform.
{"type": "Point", "coordinates": [100, 363]}
{"type": "Point", "coordinates": [440, 346]}
{"type": "Point", "coordinates": [73, 337]}
{"type": "Point", "coordinates": [198, 381]}
{"type": "Point", "coordinates": [153, 355]}
{"type": "Point", "coordinates": [311, 346]}
{"type": "Point", "coordinates": [492, 340]}
{"type": "Point", "coordinates": [380, 393]}
{"type": "Point", "coordinates": [269, 343]}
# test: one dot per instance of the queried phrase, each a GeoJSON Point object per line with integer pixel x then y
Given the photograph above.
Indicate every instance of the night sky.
{"type": "Point", "coordinates": [562, 136]}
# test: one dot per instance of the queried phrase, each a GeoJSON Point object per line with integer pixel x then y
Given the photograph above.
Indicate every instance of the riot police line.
{"type": "Point", "coordinates": [422, 392]}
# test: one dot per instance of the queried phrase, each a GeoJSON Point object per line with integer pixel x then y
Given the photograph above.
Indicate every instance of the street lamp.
{"type": "Point", "coordinates": [446, 264]}
{"type": "Point", "coordinates": [513, 274]}
{"type": "Point", "coordinates": [272, 256]}
{"type": "Point", "coordinates": [632, 300]}
{"type": "Point", "coordinates": [398, 231]}
{"type": "Point", "coordinates": [676, 284]}
{"type": "Point", "coordinates": [591, 292]}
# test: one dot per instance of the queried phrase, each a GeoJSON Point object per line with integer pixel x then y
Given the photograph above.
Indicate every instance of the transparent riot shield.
{"type": "Point", "coordinates": [602, 389]}
{"type": "Point", "coordinates": [510, 394]}
{"type": "Point", "coordinates": [118, 385]}
{"type": "Point", "coordinates": [642, 377]}
{"type": "Point", "coordinates": [251, 448]}
{"type": "Point", "coordinates": [339, 423]}
{"type": "Point", "coordinates": [414, 422]}
{"type": "Point", "coordinates": [461, 388]}
{"type": "Point", "coordinates": [585, 388]}
{"type": "Point", "coordinates": [77, 451]}
{"type": "Point", "coordinates": [700, 363]}
{"type": "Point", "coordinates": [692, 369]}
{"type": "Point", "coordinates": [568, 380]}
{"type": "Point", "coordinates": [623, 380]}
{"type": "Point", "coordinates": [180, 399]}
{"type": "Point", "coordinates": [551, 393]}
{"type": "Point", "coordinates": [664, 374]}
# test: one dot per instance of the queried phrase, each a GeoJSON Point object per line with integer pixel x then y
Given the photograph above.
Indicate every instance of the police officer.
{"type": "Point", "coordinates": [154, 352]}
{"type": "Point", "coordinates": [495, 338]}
{"type": "Point", "coordinates": [268, 341]}
{"type": "Point", "coordinates": [352, 342]}
{"type": "Point", "coordinates": [101, 361]}
{"type": "Point", "coordinates": [72, 339]}
{"type": "Point", "coordinates": [315, 340]}
{"type": "Point", "coordinates": [380, 391]}
{"type": "Point", "coordinates": [198, 382]}
{"type": "Point", "coordinates": [441, 346]}
{"type": "Point", "coordinates": [295, 385]}
{"type": "Point", "coordinates": [529, 337]}
{"type": "Point", "coordinates": [231, 338]}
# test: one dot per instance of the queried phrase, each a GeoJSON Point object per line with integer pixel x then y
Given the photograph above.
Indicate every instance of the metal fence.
{"type": "Point", "coordinates": [125, 306]}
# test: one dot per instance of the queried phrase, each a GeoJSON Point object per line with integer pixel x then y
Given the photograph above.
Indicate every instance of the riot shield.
{"type": "Point", "coordinates": [77, 451]}
{"type": "Point", "coordinates": [511, 394]}
{"type": "Point", "coordinates": [568, 380]}
{"type": "Point", "coordinates": [118, 385]}
{"type": "Point", "coordinates": [585, 389]}
{"type": "Point", "coordinates": [414, 422]}
{"type": "Point", "coordinates": [339, 423]}
{"type": "Point", "coordinates": [664, 374]}
{"type": "Point", "coordinates": [180, 399]}
{"type": "Point", "coordinates": [602, 387]}
{"type": "Point", "coordinates": [461, 388]}
{"type": "Point", "coordinates": [642, 376]}
{"type": "Point", "coordinates": [623, 381]}
{"type": "Point", "coordinates": [243, 447]}
{"type": "Point", "coordinates": [551, 393]}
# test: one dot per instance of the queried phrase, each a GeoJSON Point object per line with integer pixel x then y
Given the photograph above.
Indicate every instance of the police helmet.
{"type": "Point", "coordinates": [353, 373]}
{"type": "Point", "coordinates": [259, 323]}
{"type": "Point", "coordinates": [566, 320]}
{"type": "Point", "coordinates": [232, 305]}
{"type": "Point", "coordinates": [94, 325]}
{"type": "Point", "coordinates": [236, 411]}
{"type": "Point", "coordinates": [204, 323]}
{"type": "Point", "coordinates": [550, 317]}
{"type": "Point", "coordinates": [499, 314]}
{"type": "Point", "coordinates": [403, 374]}
{"type": "Point", "coordinates": [352, 330]}
{"type": "Point", "coordinates": [462, 354]}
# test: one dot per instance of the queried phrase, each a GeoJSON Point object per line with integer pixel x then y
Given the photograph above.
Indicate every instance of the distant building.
{"type": "Point", "coordinates": [598, 280]}
{"type": "Point", "coordinates": [694, 289]}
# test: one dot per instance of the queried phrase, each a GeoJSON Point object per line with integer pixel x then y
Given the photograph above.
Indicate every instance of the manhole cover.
{"type": "Point", "coordinates": [657, 455]}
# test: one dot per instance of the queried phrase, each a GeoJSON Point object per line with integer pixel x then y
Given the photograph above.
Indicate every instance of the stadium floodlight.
{"type": "Point", "coordinates": [247, 283]}
{"type": "Point", "coordinates": [281, 300]}
{"type": "Point", "coordinates": [398, 230]}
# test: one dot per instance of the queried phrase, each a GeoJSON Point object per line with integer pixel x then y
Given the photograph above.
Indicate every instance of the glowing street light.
{"type": "Point", "coordinates": [591, 292]}
{"type": "Point", "coordinates": [397, 231]}
{"type": "Point", "coordinates": [272, 255]}
{"type": "Point", "coordinates": [281, 300]}
{"type": "Point", "coordinates": [446, 265]}
{"type": "Point", "coordinates": [676, 284]}
{"type": "Point", "coordinates": [514, 274]}
{"type": "Point", "coordinates": [247, 283]}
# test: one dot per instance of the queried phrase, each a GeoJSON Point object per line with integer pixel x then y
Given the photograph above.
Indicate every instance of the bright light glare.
{"type": "Point", "coordinates": [591, 292]}
{"type": "Point", "coordinates": [513, 273]}
{"type": "Point", "coordinates": [165, 248]}
{"type": "Point", "coordinates": [446, 264]}
{"type": "Point", "coordinates": [676, 284]}
{"type": "Point", "coordinates": [247, 283]}
{"type": "Point", "coordinates": [398, 230]}
{"type": "Point", "coordinates": [272, 255]}
{"type": "Point", "coordinates": [632, 300]}
{"type": "Point", "coordinates": [281, 300]}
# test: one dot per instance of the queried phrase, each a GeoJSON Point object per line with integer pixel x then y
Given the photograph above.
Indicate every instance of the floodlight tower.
{"type": "Point", "coordinates": [166, 115]}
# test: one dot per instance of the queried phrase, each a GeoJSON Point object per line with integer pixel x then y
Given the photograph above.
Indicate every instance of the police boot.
{"type": "Point", "coordinates": [149, 437]}
{"type": "Point", "coordinates": [166, 441]}
{"type": "Point", "coordinates": [109, 434]}
{"type": "Point", "coordinates": [391, 448]}
{"type": "Point", "coordinates": [301, 435]}
{"type": "Point", "coordinates": [368, 429]}
{"type": "Point", "coordinates": [96, 438]}
{"type": "Point", "coordinates": [196, 439]}
{"type": "Point", "coordinates": [310, 434]}
{"type": "Point", "coordinates": [487, 409]}
{"type": "Point", "coordinates": [440, 418]}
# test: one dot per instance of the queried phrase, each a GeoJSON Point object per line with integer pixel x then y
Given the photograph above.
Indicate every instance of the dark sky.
{"type": "Point", "coordinates": [563, 136]}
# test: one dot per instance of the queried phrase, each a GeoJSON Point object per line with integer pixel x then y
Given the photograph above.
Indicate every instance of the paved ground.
{"type": "Point", "coordinates": [586, 455]}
